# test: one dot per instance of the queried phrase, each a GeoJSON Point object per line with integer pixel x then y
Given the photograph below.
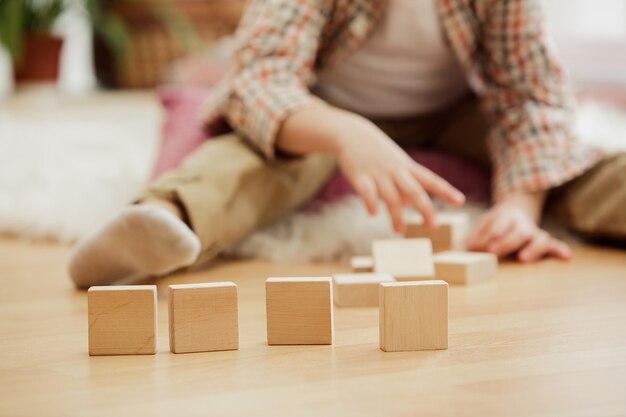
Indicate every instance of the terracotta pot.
{"type": "Point", "coordinates": [40, 62]}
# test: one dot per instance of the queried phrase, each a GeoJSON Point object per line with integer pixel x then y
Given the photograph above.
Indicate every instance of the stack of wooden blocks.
{"type": "Point", "coordinates": [403, 279]}
{"type": "Point", "coordinates": [409, 282]}
{"type": "Point", "coordinates": [426, 254]}
{"type": "Point", "coordinates": [450, 234]}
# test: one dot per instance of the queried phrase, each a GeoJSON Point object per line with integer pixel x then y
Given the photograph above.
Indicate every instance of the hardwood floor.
{"type": "Point", "coordinates": [541, 340]}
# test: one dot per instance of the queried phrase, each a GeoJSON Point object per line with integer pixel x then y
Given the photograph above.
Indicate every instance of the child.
{"type": "Point", "coordinates": [316, 85]}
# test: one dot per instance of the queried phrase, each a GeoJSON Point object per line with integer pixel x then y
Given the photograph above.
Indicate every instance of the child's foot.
{"type": "Point", "coordinates": [141, 241]}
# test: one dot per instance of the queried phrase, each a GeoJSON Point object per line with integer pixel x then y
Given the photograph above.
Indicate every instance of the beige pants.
{"type": "Point", "coordinates": [228, 190]}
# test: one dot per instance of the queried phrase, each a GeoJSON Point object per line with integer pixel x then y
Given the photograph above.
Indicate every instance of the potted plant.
{"type": "Point", "coordinates": [123, 61]}
{"type": "Point", "coordinates": [135, 42]}
{"type": "Point", "coordinates": [26, 33]}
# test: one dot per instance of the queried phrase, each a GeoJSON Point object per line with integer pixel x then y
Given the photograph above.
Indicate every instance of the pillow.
{"type": "Point", "coordinates": [183, 131]}
{"type": "Point", "coordinates": [471, 179]}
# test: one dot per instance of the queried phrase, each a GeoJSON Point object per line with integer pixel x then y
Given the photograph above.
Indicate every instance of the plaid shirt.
{"type": "Point", "coordinates": [500, 44]}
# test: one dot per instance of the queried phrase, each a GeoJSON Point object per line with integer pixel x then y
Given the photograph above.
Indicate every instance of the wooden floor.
{"type": "Point", "coordinates": [542, 340]}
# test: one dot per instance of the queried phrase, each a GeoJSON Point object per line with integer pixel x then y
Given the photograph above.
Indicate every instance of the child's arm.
{"type": "Point", "coordinates": [372, 162]}
{"type": "Point", "coordinates": [266, 98]}
{"type": "Point", "coordinates": [533, 149]}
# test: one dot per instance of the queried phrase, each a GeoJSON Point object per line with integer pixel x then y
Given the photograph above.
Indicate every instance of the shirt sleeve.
{"type": "Point", "coordinates": [527, 102]}
{"type": "Point", "coordinates": [272, 67]}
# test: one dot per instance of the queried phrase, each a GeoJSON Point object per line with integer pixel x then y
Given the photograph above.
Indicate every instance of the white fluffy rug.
{"type": "Point", "coordinates": [336, 232]}
{"type": "Point", "coordinates": [66, 164]}
{"type": "Point", "coordinates": [66, 169]}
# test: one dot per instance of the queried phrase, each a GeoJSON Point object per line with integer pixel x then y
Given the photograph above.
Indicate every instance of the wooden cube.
{"type": "Point", "coordinates": [465, 267]}
{"type": "Point", "coordinates": [299, 311]}
{"type": "Point", "coordinates": [358, 290]}
{"type": "Point", "coordinates": [405, 259]}
{"type": "Point", "coordinates": [122, 320]}
{"type": "Point", "coordinates": [451, 232]}
{"type": "Point", "coordinates": [413, 315]}
{"type": "Point", "coordinates": [362, 264]}
{"type": "Point", "coordinates": [203, 317]}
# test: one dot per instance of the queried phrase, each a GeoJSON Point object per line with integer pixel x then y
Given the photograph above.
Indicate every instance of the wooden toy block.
{"type": "Point", "coordinates": [413, 315]}
{"type": "Point", "coordinates": [450, 234]}
{"type": "Point", "coordinates": [358, 290]}
{"type": "Point", "coordinates": [405, 259]}
{"type": "Point", "coordinates": [465, 267]}
{"type": "Point", "coordinates": [122, 320]}
{"type": "Point", "coordinates": [299, 311]}
{"type": "Point", "coordinates": [203, 317]}
{"type": "Point", "coordinates": [362, 264]}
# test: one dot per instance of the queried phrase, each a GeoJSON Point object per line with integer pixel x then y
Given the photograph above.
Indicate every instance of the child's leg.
{"type": "Point", "coordinates": [594, 204]}
{"type": "Point", "coordinates": [224, 190]}
{"type": "Point", "coordinates": [227, 190]}
{"type": "Point", "coordinates": [140, 241]}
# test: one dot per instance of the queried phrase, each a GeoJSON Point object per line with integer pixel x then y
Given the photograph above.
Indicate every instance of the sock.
{"type": "Point", "coordinates": [139, 242]}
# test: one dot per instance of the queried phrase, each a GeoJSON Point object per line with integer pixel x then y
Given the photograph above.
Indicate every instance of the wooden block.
{"type": "Point", "coordinates": [465, 267]}
{"type": "Point", "coordinates": [413, 315]}
{"type": "Point", "coordinates": [405, 259]}
{"type": "Point", "coordinates": [451, 232]}
{"type": "Point", "coordinates": [203, 317]}
{"type": "Point", "coordinates": [362, 264]}
{"type": "Point", "coordinates": [122, 320]}
{"type": "Point", "coordinates": [358, 290]}
{"type": "Point", "coordinates": [299, 311]}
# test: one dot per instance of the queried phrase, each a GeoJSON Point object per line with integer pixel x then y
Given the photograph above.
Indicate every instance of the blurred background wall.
{"type": "Point", "coordinates": [591, 37]}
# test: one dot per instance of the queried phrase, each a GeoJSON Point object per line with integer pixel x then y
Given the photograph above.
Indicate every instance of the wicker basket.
{"type": "Point", "coordinates": [153, 44]}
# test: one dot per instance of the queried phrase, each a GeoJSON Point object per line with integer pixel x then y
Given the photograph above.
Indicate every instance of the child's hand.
{"type": "Point", "coordinates": [510, 227]}
{"type": "Point", "coordinates": [378, 168]}
{"type": "Point", "coordinates": [372, 162]}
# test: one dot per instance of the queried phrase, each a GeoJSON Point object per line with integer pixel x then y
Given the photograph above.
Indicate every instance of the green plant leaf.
{"type": "Point", "coordinates": [179, 27]}
{"type": "Point", "coordinates": [13, 27]}
{"type": "Point", "coordinates": [114, 33]}
{"type": "Point", "coordinates": [41, 15]}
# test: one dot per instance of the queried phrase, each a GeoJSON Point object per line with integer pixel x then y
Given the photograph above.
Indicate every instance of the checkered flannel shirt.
{"type": "Point", "coordinates": [500, 44]}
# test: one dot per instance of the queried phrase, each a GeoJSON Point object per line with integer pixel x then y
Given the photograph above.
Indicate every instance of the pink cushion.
{"type": "Point", "coordinates": [183, 132]}
{"type": "Point", "coordinates": [471, 179]}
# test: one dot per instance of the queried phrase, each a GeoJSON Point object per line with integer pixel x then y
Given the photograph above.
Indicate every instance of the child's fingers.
{"type": "Point", "coordinates": [559, 249]}
{"type": "Point", "coordinates": [542, 245]}
{"type": "Point", "coordinates": [536, 249]}
{"type": "Point", "coordinates": [438, 186]}
{"type": "Point", "coordinates": [366, 188]}
{"type": "Point", "coordinates": [479, 237]}
{"type": "Point", "coordinates": [511, 241]}
{"type": "Point", "coordinates": [389, 193]}
{"type": "Point", "coordinates": [413, 192]}
{"type": "Point", "coordinates": [498, 227]}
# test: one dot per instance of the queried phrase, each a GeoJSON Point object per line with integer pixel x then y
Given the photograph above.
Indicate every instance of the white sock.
{"type": "Point", "coordinates": [140, 241]}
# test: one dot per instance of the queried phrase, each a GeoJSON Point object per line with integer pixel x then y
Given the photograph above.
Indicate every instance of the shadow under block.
{"type": "Point", "coordinates": [122, 320]}
{"type": "Point", "coordinates": [413, 315]}
{"type": "Point", "coordinates": [299, 311]}
{"type": "Point", "coordinates": [451, 232]}
{"type": "Point", "coordinates": [362, 264]}
{"type": "Point", "coordinates": [465, 267]}
{"type": "Point", "coordinates": [203, 317]}
{"type": "Point", "coordinates": [405, 259]}
{"type": "Point", "coordinates": [358, 290]}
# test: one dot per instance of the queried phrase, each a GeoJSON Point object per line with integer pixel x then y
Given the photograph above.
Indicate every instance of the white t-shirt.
{"type": "Point", "coordinates": [405, 68]}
